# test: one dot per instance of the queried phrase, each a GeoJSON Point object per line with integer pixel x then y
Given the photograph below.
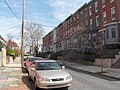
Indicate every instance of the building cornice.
{"type": "Point", "coordinates": [112, 23]}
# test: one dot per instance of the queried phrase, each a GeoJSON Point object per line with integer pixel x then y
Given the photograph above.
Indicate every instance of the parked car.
{"type": "Point", "coordinates": [29, 61]}
{"type": "Point", "coordinates": [25, 56]}
{"type": "Point", "coordinates": [48, 74]}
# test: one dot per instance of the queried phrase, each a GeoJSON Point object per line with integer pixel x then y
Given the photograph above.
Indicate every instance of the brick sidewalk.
{"type": "Point", "coordinates": [15, 79]}
{"type": "Point", "coordinates": [21, 84]}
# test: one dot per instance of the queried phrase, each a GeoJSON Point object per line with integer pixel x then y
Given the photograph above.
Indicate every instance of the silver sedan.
{"type": "Point", "coordinates": [48, 74]}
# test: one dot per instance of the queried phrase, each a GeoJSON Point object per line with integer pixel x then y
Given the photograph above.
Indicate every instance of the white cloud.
{"type": "Point", "coordinates": [63, 8]}
{"type": "Point", "coordinates": [9, 26]}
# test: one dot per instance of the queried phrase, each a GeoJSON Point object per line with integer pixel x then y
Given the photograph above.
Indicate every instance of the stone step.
{"type": "Point", "coordinates": [117, 57]}
{"type": "Point", "coordinates": [117, 64]}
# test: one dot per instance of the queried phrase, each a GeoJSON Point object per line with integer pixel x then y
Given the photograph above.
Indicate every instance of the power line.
{"type": "Point", "coordinates": [11, 10]}
{"type": "Point", "coordinates": [47, 25]}
{"type": "Point", "coordinates": [41, 24]}
{"type": "Point", "coordinates": [13, 6]}
{"type": "Point", "coordinates": [9, 28]}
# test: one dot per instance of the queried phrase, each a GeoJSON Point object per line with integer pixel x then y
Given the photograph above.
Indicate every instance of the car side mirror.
{"type": "Point", "coordinates": [33, 69]}
{"type": "Point", "coordinates": [63, 67]}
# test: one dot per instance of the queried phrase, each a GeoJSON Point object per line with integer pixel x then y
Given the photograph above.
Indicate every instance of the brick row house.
{"type": "Point", "coordinates": [96, 24]}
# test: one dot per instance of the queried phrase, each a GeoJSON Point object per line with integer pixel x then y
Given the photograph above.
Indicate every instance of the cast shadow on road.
{"type": "Point", "coordinates": [25, 80]}
{"type": "Point", "coordinates": [32, 87]}
{"type": "Point", "coordinates": [30, 84]}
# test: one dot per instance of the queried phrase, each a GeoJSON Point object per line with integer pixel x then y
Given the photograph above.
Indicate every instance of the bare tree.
{"type": "Point", "coordinates": [33, 35]}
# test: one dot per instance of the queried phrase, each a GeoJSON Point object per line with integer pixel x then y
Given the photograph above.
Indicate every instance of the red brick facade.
{"type": "Point", "coordinates": [93, 25]}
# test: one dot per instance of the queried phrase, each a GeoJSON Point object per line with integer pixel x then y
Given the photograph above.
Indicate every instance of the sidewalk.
{"type": "Point", "coordinates": [12, 78]}
{"type": "Point", "coordinates": [16, 63]}
{"type": "Point", "coordinates": [109, 72]}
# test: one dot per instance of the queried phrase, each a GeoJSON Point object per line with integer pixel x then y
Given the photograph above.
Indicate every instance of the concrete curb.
{"type": "Point", "coordinates": [92, 73]}
{"type": "Point", "coordinates": [12, 65]}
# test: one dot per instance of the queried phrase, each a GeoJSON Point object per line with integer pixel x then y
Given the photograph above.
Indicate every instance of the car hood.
{"type": "Point", "coordinates": [53, 73]}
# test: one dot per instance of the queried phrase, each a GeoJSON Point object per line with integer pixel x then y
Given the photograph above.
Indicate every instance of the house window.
{"type": "Point", "coordinates": [74, 18]}
{"type": "Point", "coordinates": [85, 13]}
{"type": "Point", "coordinates": [113, 13]}
{"type": "Point", "coordinates": [68, 22]}
{"type": "Point", "coordinates": [96, 6]}
{"type": "Point", "coordinates": [81, 15]}
{"type": "Point", "coordinates": [113, 32]}
{"type": "Point", "coordinates": [107, 34]}
{"type": "Point", "coordinates": [77, 16]}
{"type": "Point", "coordinates": [86, 22]}
{"type": "Point", "coordinates": [111, 1]}
{"type": "Point", "coordinates": [103, 3]}
{"type": "Point", "coordinates": [97, 20]}
{"type": "Point", "coordinates": [91, 23]}
{"type": "Point", "coordinates": [104, 17]}
{"type": "Point", "coordinates": [90, 10]}
{"type": "Point", "coordinates": [71, 20]}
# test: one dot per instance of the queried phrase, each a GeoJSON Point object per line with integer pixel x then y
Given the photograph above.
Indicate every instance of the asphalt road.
{"type": "Point", "coordinates": [83, 81]}
{"type": "Point", "coordinates": [87, 82]}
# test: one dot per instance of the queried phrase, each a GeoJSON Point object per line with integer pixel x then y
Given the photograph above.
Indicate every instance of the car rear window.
{"type": "Point", "coordinates": [32, 59]}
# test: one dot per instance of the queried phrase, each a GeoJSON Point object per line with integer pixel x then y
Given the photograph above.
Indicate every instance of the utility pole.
{"type": "Point", "coordinates": [22, 38]}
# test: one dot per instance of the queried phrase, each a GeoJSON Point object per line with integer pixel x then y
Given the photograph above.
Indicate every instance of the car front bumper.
{"type": "Point", "coordinates": [52, 85]}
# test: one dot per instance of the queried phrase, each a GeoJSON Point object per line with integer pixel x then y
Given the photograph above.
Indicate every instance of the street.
{"type": "Point", "coordinates": [83, 81]}
{"type": "Point", "coordinates": [87, 82]}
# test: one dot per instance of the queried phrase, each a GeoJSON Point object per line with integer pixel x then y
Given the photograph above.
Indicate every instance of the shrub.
{"type": "Point", "coordinates": [11, 52]}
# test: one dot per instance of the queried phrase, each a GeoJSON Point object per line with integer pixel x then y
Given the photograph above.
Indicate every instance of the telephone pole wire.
{"type": "Point", "coordinates": [22, 36]}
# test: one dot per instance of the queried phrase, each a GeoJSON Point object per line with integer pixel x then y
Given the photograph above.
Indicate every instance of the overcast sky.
{"type": "Point", "coordinates": [48, 13]}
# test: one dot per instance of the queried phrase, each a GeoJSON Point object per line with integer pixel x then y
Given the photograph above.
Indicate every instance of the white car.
{"type": "Point", "coordinates": [25, 56]}
{"type": "Point", "coordinates": [47, 74]}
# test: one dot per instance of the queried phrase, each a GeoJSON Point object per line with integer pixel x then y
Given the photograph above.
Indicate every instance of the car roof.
{"type": "Point", "coordinates": [36, 57]}
{"type": "Point", "coordinates": [45, 61]}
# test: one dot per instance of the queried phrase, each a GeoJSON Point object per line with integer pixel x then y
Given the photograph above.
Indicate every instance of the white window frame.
{"type": "Point", "coordinates": [81, 15]}
{"type": "Point", "coordinates": [103, 3]}
{"type": "Point", "coordinates": [91, 23]}
{"type": "Point", "coordinates": [77, 16]}
{"type": "Point", "coordinates": [112, 12]}
{"type": "Point", "coordinates": [96, 6]}
{"type": "Point", "coordinates": [90, 10]}
{"type": "Point", "coordinates": [85, 12]}
{"type": "Point", "coordinates": [111, 1]}
{"type": "Point", "coordinates": [97, 20]}
{"type": "Point", "coordinates": [74, 18]}
{"type": "Point", "coordinates": [104, 16]}
{"type": "Point", "coordinates": [86, 22]}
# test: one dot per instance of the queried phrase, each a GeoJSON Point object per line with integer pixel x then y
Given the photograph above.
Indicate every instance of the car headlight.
{"type": "Point", "coordinates": [45, 79]}
{"type": "Point", "coordinates": [68, 77]}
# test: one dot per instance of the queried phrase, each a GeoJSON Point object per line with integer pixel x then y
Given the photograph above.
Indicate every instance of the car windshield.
{"type": "Point", "coordinates": [47, 66]}
{"type": "Point", "coordinates": [26, 55]}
